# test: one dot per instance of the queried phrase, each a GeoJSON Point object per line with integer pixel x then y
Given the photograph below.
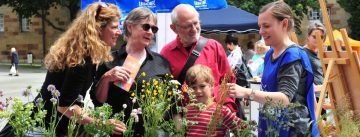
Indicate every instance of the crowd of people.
{"type": "Point", "coordinates": [81, 57]}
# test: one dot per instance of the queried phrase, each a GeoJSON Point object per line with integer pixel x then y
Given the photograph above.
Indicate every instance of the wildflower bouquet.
{"type": "Point", "coordinates": [156, 99]}
{"type": "Point", "coordinates": [29, 118]}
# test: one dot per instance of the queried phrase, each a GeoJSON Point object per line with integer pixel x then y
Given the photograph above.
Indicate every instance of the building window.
{"type": "Point", "coordinates": [1, 22]}
{"type": "Point", "coordinates": [25, 24]}
{"type": "Point", "coordinates": [317, 15]}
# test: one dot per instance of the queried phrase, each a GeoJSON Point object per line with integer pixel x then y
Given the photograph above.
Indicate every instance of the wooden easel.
{"type": "Point", "coordinates": [342, 73]}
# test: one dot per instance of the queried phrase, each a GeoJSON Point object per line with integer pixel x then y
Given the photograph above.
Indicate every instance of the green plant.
{"type": "Point", "coordinates": [100, 126]}
{"type": "Point", "coordinates": [352, 6]}
{"type": "Point", "coordinates": [156, 98]}
{"type": "Point", "coordinates": [21, 116]}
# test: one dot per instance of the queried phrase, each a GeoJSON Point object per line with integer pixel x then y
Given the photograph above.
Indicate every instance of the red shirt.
{"type": "Point", "coordinates": [198, 121]}
{"type": "Point", "coordinates": [212, 55]}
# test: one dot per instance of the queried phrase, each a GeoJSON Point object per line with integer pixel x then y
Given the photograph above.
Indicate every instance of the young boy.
{"type": "Point", "coordinates": [200, 79]}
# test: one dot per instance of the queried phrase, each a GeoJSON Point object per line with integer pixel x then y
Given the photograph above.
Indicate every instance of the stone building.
{"type": "Point", "coordinates": [25, 34]}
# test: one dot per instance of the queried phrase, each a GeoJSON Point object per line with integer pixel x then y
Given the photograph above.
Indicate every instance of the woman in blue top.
{"type": "Point", "coordinates": [287, 75]}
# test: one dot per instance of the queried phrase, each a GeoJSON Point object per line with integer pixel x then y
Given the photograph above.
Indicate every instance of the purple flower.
{"type": "Point", "coordinates": [1, 93]}
{"type": "Point", "coordinates": [55, 93]}
{"type": "Point", "coordinates": [51, 87]}
{"type": "Point", "coordinates": [38, 101]}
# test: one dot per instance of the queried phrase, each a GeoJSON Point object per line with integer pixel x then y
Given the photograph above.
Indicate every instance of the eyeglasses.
{"type": "Point", "coordinates": [146, 27]}
{"type": "Point", "coordinates": [188, 26]}
{"type": "Point", "coordinates": [100, 6]}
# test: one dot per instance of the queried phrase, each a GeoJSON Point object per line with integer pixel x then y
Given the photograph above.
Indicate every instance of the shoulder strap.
{"type": "Point", "coordinates": [194, 55]}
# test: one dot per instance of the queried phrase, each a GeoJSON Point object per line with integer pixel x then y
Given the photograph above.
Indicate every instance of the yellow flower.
{"type": "Point", "coordinates": [143, 74]}
{"type": "Point", "coordinates": [132, 94]}
{"type": "Point", "coordinates": [142, 90]}
{"type": "Point", "coordinates": [176, 86]}
{"type": "Point", "coordinates": [148, 91]}
{"type": "Point", "coordinates": [153, 98]}
{"type": "Point", "coordinates": [169, 93]}
{"type": "Point", "coordinates": [148, 83]}
{"type": "Point", "coordinates": [155, 92]}
{"type": "Point", "coordinates": [171, 76]}
{"type": "Point", "coordinates": [156, 82]}
{"type": "Point", "coordinates": [160, 91]}
{"type": "Point", "coordinates": [161, 96]}
{"type": "Point", "coordinates": [143, 81]}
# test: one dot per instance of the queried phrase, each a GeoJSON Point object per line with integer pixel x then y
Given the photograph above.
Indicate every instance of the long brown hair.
{"type": "Point", "coordinates": [82, 39]}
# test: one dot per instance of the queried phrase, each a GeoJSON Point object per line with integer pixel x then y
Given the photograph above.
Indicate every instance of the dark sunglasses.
{"type": "Point", "coordinates": [100, 6]}
{"type": "Point", "coordinates": [146, 27]}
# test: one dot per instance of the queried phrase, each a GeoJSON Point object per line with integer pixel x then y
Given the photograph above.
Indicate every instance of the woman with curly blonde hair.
{"type": "Point", "coordinates": [72, 63]}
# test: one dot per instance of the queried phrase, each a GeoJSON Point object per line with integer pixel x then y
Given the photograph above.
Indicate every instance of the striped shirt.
{"type": "Point", "coordinates": [198, 121]}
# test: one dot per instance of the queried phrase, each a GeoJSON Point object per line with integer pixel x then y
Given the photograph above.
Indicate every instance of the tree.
{"type": "Point", "coordinates": [352, 7]}
{"type": "Point", "coordinates": [40, 8]}
{"type": "Point", "coordinates": [299, 7]}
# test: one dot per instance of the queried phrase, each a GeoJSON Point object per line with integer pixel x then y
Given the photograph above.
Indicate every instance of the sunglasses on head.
{"type": "Point", "coordinates": [146, 27]}
{"type": "Point", "coordinates": [100, 6]}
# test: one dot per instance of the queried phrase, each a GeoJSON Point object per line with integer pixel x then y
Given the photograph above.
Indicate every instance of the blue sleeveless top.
{"type": "Point", "coordinates": [269, 83]}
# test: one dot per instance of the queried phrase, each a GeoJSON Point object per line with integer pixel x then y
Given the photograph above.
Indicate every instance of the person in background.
{"type": "Point", "coordinates": [312, 51]}
{"type": "Point", "coordinates": [186, 24]}
{"type": "Point", "coordinates": [249, 53]}
{"type": "Point", "coordinates": [256, 63]}
{"type": "Point", "coordinates": [287, 76]}
{"type": "Point", "coordinates": [235, 56]}
{"type": "Point", "coordinates": [235, 59]}
{"type": "Point", "coordinates": [139, 30]}
{"type": "Point", "coordinates": [201, 82]}
{"type": "Point", "coordinates": [14, 61]}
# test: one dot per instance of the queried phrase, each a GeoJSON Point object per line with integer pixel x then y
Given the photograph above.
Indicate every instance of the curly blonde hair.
{"type": "Point", "coordinates": [82, 39]}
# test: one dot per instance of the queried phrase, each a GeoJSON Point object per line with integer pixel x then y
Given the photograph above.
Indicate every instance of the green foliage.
{"type": "Point", "coordinates": [300, 7]}
{"type": "Point", "coordinates": [100, 126]}
{"type": "Point", "coordinates": [40, 8]}
{"type": "Point", "coordinates": [352, 7]}
{"type": "Point", "coordinates": [156, 99]}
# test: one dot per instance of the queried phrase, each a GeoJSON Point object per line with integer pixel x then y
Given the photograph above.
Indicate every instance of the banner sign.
{"type": "Point", "coordinates": [159, 6]}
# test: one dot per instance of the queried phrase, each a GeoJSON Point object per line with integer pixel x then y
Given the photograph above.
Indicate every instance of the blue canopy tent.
{"type": "Point", "coordinates": [230, 19]}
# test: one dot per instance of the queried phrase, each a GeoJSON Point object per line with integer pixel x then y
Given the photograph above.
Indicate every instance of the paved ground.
{"type": "Point", "coordinates": [13, 86]}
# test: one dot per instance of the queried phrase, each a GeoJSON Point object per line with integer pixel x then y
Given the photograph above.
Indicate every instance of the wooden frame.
{"type": "Point", "coordinates": [342, 73]}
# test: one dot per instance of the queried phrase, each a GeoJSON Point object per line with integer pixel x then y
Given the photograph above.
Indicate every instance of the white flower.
{"type": "Point", "coordinates": [134, 111]}
{"type": "Point", "coordinates": [80, 99]}
{"type": "Point", "coordinates": [53, 100]}
{"type": "Point", "coordinates": [139, 111]}
{"type": "Point", "coordinates": [134, 100]}
{"type": "Point", "coordinates": [175, 82]}
{"type": "Point", "coordinates": [51, 87]}
{"type": "Point", "coordinates": [124, 106]}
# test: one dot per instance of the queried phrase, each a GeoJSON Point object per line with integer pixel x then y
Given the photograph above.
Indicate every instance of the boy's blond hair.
{"type": "Point", "coordinates": [198, 73]}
